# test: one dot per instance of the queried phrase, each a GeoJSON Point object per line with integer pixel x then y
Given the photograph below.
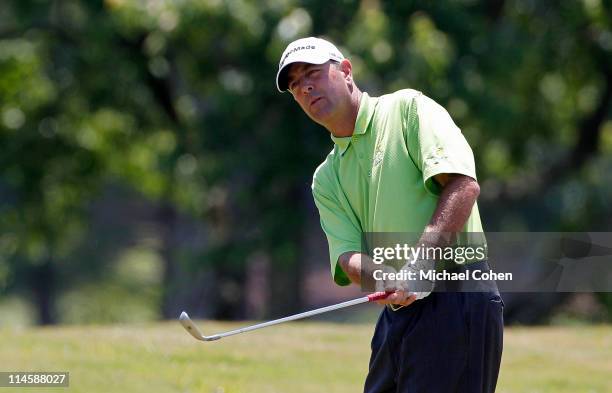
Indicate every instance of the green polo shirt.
{"type": "Point", "coordinates": [380, 179]}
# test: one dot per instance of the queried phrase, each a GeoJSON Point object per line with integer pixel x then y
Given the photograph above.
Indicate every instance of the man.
{"type": "Point", "coordinates": [399, 164]}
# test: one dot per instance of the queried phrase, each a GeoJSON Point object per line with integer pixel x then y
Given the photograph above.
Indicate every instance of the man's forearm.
{"type": "Point", "coordinates": [452, 212]}
{"type": "Point", "coordinates": [354, 264]}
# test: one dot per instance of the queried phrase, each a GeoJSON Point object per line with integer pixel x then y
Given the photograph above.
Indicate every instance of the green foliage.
{"type": "Point", "coordinates": [176, 100]}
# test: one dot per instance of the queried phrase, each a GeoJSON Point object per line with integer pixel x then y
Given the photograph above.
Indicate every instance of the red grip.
{"type": "Point", "coordinates": [378, 296]}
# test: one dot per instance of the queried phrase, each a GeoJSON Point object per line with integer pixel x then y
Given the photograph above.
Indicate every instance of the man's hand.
{"type": "Point", "coordinates": [354, 264]}
{"type": "Point", "coordinates": [421, 286]}
{"type": "Point", "coordinates": [401, 291]}
{"type": "Point", "coordinates": [400, 297]}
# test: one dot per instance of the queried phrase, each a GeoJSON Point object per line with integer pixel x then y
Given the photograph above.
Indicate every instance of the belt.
{"type": "Point", "coordinates": [469, 285]}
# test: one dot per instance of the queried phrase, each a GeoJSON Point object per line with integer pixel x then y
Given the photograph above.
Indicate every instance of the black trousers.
{"type": "Point", "coordinates": [445, 343]}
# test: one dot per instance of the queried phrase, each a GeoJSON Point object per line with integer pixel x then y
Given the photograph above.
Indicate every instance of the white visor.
{"type": "Point", "coordinates": [310, 50]}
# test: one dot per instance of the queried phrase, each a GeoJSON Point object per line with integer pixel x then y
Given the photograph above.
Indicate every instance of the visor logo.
{"type": "Point", "coordinates": [297, 48]}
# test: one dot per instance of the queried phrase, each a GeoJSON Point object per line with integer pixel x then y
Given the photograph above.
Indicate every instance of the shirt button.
{"type": "Point", "coordinates": [369, 173]}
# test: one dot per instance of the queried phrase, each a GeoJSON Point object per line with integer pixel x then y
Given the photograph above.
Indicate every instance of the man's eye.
{"type": "Point", "coordinates": [313, 72]}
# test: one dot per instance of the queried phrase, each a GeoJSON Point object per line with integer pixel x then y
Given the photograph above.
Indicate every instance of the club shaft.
{"type": "Point", "coordinates": [296, 316]}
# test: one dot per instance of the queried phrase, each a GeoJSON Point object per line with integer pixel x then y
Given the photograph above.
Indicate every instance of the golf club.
{"type": "Point", "coordinates": [197, 333]}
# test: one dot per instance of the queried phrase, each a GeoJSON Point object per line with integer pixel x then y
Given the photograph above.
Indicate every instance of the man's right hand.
{"type": "Point", "coordinates": [355, 264]}
{"type": "Point", "coordinates": [401, 294]}
{"type": "Point", "coordinates": [400, 297]}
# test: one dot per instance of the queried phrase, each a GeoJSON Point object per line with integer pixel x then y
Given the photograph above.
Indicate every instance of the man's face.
{"type": "Point", "coordinates": [321, 90]}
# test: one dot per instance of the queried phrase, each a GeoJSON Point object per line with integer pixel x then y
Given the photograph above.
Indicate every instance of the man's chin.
{"type": "Point", "coordinates": [318, 117]}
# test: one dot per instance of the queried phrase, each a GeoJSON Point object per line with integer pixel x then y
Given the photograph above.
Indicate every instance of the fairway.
{"type": "Point", "coordinates": [297, 358]}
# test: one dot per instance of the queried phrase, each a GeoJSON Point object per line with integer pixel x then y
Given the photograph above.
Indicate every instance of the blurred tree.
{"type": "Point", "coordinates": [177, 101]}
{"type": "Point", "coordinates": [77, 113]}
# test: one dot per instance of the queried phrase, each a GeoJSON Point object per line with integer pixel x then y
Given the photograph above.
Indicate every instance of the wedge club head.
{"type": "Point", "coordinates": [193, 329]}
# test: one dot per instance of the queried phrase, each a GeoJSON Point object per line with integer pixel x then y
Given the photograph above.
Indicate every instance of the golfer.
{"type": "Point", "coordinates": [399, 164]}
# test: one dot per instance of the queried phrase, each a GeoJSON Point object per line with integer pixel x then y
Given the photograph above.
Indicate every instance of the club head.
{"type": "Point", "coordinates": [193, 329]}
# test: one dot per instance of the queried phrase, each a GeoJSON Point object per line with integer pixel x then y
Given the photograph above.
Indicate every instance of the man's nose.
{"type": "Point", "coordinates": [307, 88]}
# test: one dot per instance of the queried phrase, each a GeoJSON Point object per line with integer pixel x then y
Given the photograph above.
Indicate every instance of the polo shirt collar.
{"type": "Point", "coordinates": [364, 115]}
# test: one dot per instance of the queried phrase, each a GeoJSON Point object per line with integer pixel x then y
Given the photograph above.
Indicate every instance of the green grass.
{"type": "Point", "coordinates": [291, 358]}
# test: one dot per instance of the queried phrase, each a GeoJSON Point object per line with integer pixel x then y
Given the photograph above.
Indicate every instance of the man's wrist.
{"type": "Point", "coordinates": [432, 237]}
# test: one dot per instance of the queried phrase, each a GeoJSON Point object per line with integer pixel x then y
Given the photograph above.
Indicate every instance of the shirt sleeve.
{"type": "Point", "coordinates": [442, 148]}
{"type": "Point", "coordinates": [339, 223]}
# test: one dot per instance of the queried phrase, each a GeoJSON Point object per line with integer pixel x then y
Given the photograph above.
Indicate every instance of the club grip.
{"type": "Point", "coordinates": [378, 296]}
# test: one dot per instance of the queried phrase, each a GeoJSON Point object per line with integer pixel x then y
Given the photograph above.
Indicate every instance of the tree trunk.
{"type": "Point", "coordinates": [167, 219]}
{"type": "Point", "coordinates": [43, 279]}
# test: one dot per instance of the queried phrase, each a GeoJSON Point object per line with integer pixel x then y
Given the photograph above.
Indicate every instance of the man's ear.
{"type": "Point", "coordinates": [347, 69]}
